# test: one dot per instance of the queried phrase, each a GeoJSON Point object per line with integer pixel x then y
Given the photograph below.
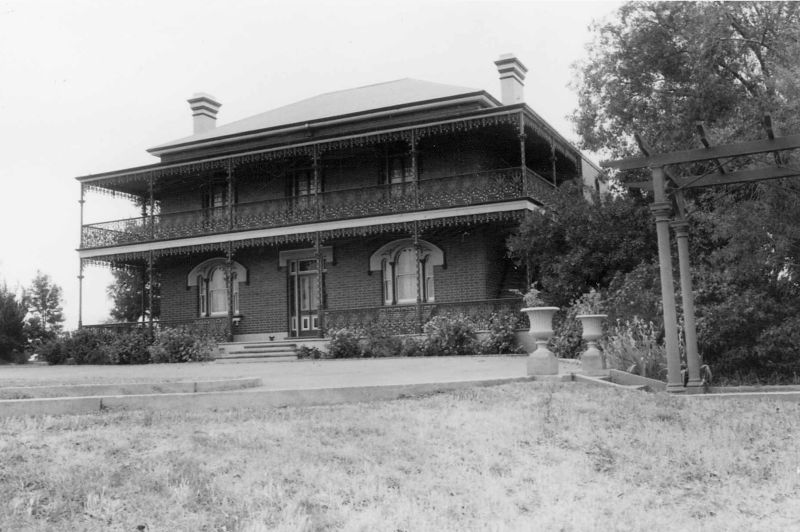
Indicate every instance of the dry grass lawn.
{"type": "Point", "coordinates": [527, 456]}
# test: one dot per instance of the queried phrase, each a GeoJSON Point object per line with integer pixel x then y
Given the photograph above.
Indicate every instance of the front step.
{"type": "Point", "coordinates": [257, 352]}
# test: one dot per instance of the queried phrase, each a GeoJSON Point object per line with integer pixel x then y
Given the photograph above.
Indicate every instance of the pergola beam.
{"type": "Point", "coordinates": [742, 176]}
{"type": "Point", "coordinates": [704, 154]}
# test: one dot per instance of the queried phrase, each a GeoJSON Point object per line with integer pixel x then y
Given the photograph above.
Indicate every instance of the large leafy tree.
{"type": "Point", "coordinates": [12, 320]}
{"type": "Point", "coordinates": [657, 68]}
{"type": "Point", "coordinates": [46, 312]}
{"type": "Point", "coordinates": [581, 243]}
{"type": "Point", "coordinates": [126, 295]}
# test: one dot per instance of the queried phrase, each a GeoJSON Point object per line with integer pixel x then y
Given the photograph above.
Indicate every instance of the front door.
{"type": "Point", "coordinates": [303, 297]}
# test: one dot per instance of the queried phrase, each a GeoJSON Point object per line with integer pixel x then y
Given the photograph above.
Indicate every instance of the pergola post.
{"type": "Point", "coordinates": [662, 210]}
{"type": "Point", "coordinates": [681, 228]}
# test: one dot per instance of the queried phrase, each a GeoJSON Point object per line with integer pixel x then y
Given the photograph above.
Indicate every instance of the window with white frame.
{"type": "Point", "coordinates": [212, 286]}
{"type": "Point", "coordinates": [406, 272]}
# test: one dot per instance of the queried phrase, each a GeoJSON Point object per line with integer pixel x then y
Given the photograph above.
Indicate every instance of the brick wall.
{"type": "Point", "coordinates": [474, 269]}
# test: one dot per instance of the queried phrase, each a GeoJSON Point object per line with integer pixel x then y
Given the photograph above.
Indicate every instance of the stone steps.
{"type": "Point", "coordinates": [238, 352]}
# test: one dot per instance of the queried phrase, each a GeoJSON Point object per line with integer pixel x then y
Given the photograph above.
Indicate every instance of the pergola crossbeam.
{"type": "Point", "coordinates": [706, 154]}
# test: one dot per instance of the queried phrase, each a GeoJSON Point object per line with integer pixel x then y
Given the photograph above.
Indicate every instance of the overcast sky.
{"type": "Point", "coordinates": [88, 86]}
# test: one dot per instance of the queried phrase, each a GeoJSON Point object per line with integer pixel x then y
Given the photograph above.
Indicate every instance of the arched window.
{"type": "Point", "coordinates": [212, 286]}
{"type": "Point", "coordinates": [404, 270]}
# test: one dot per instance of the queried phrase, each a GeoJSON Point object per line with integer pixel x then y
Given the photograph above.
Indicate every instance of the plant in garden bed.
{"type": "Point", "coordinates": [178, 345]}
{"type": "Point", "coordinates": [634, 346]}
{"type": "Point", "coordinates": [344, 343]}
{"type": "Point", "coordinates": [501, 338]}
{"type": "Point", "coordinates": [312, 353]}
{"type": "Point", "coordinates": [450, 336]}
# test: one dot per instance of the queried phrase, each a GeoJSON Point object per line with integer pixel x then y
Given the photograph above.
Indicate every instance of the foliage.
{"type": "Point", "coordinates": [580, 244]}
{"type": "Point", "coordinates": [411, 347]}
{"type": "Point", "coordinates": [131, 347]}
{"type": "Point", "coordinates": [126, 292]}
{"type": "Point", "coordinates": [178, 345]}
{"type": "Point", "coordinates": [45, 307]}
{"type": "Point", "coordinates": [634, 346]}
{"type": "Point", "coordinates": [12, 319]}
{"type": "Point", "coordinates": [312, 353]}
{"type": "Point", "coordinates": [501, 338]}
{"type": "Point", "coordinates": [378, 342]}
{"type": "Point", "coordinates": [344, 343]}
{"type": "Point", "coordinates": [450, 336]}
{"type": "Point", "coordinates": [656, 69]}
{"type": "Point", "coordinates": [531, 298]}
{"type": "Point", "coordinates": [84, 346]}
{"type": "Point", "coordinates": [660, 66]}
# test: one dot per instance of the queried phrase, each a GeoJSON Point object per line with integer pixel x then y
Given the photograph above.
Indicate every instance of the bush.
{"type": "Point", "coordinates": [313, 353]}
{"type": "Point", "coordinates": [411, 347]}
{"type": "Point", "coordinates": [344, 343]}
{"type": "Point", "coordinates": [131, 347]}
{"type": "Point", "coordinates": [177, 345]}
{"type": "Point", "coordinates": [448, 336]}
{"type": "Point", "coordinates": [635, 347]}
{"type": "Point", "coordinates": [89, 346]}
{"type": "Point", "coordinates": [378, 343]}
{"type": "Point", "coordinates": [502, 337]}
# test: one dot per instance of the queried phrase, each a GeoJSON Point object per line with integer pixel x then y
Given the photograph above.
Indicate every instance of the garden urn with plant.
{"type": "Point", "coordinates": [592, 322]}
{"type": "Point", "coordinates": [542, 361]}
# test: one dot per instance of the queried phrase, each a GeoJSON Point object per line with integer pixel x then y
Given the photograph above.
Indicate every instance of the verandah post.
{"type": "Point", "coordinates": [229, 285]}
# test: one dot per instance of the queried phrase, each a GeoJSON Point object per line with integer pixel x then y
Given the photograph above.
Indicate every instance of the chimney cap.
{"type": "Point", "coordinates": [204, 103]}
{"type": "Point", "coordinates": [508, 65]}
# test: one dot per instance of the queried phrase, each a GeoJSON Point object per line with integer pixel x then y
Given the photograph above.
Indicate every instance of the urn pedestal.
{"type": "Point", "coordinates": [542, 361]}
{"type": "Point", "coordinates": [591, 360]}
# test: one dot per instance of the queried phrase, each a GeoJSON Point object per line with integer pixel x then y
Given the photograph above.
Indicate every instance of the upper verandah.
{"type": "Point", "coordinates": [379, 109]}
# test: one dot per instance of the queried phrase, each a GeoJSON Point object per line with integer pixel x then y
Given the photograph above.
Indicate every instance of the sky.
{"type": "Point", "coordinates": [87, 86]}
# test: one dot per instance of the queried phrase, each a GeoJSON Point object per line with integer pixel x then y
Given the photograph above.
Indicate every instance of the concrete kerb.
{"type": "Point", "coordinates": [222, 400]}
{"type": "Point", "coordinates": [92, 390]}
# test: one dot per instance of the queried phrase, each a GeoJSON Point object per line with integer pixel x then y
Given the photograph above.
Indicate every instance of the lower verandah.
{"type": "Point", "coordinates": [276, 292]}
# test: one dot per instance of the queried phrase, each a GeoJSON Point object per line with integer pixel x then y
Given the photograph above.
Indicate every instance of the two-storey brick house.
{"type": "Point", "coordinates": [387, 202]}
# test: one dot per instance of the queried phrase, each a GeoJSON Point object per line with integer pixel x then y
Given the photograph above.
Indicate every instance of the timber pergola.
{"type": "Point", "coordinates": [669, 209]}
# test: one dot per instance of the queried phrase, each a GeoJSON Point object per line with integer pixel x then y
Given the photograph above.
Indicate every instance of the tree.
{"type": "Point", "coordinates": [577, 244]}
{"type": "Point", "coordinates": [656, 69]}
{"type": "Point", "coordinates": [126, 294]}
{"type": "Point", "coordinates": [46, 311]}
{"type": "Point", "coordinates": [12, 319]}
{"type": "Point", "coordinates": [659, 67]}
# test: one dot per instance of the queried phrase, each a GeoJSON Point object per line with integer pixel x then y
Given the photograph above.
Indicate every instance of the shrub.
{"type": "Point", "coordinates": [378, 342]}
{"type": "Point", "coordinates": [411, 347]}
{"type": "Point", "coordinates": [344, 343]}
{"type": "Point", "coordinates": [89, 346]}
{"type": "Point", "coordinates": [502, 337]}
{"type": "Point", "coordinates": [131, 347]}
{"type": "Point", "coordinates": [306, 352]}
{"type": "Point", "coordinates": [635, 347]}
{"type": "Point", "coordinates": [450, 336]}
{"type": "Point", "coordinates": [53, 352]}
{"type": "Point", "coordinates": [177, 345]}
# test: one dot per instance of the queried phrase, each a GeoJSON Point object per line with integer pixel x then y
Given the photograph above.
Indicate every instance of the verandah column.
{"type": "Point", "coordinates": [150, 288]}
{"type": "Point", "coordinates": [229, 286]}
{"type": "Point", "coordinates": [80, 293]}
{"type": "Point", "coordinates": [681, 228]}
{"type": "Point", "coordinates": [320, 284]}
{"type": "Point", "coordinates": [417, 263]}
{"type": "Point", "coordinates": [81, 202]}
{"type": "Point", "coordinates": [522, 157]}
{"type": "Point", "coordinates": [662, 210]}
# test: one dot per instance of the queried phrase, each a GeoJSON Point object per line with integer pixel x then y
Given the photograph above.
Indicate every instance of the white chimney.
{"type": "Point", "coordinates": [512, 79]}
{"type": "Point", "coordinates": [204, 111]}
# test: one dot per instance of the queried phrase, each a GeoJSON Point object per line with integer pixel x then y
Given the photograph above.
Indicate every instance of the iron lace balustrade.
{"type": "Point", "coordinates": [436, 193]}
{"type": "Point", "coordinates": [402, 319]}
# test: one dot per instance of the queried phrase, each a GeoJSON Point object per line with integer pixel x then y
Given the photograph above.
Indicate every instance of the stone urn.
{"type": "Point", "coordinates": [542, 361]}
{"type": "Point", "coordinates": [591, 360]}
